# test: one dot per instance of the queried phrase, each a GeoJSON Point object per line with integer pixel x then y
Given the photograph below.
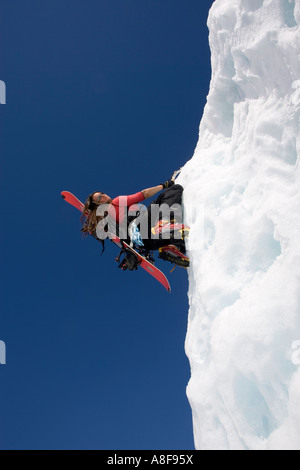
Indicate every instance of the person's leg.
{"type": "Point", "coordinates": [172, 198]}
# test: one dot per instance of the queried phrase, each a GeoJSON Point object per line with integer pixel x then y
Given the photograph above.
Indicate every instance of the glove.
{"type": "Point", "coordinates": [168, 184]}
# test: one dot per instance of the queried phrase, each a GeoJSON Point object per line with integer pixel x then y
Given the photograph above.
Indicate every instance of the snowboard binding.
{"type": "Point", "coordinates": [130, 261]}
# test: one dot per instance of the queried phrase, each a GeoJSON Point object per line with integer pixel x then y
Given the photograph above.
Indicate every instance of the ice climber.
{"type": "Point", "coordinates": [156, 227]}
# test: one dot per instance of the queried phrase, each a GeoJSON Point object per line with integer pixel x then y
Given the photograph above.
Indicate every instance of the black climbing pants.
{"type": "Point", "coordinates": [167, 206]}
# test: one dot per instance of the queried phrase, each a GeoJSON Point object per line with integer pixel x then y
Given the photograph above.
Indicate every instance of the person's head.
{"type": "Point", "coordinates": [95, 199]}
{"type": "Point", "coordinates": [89, 214]}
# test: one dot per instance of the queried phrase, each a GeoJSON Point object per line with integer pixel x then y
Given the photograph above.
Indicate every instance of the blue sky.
{"type": "Point", "coordinates": [100, 95]}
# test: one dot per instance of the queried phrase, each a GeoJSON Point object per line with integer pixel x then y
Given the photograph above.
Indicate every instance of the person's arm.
{"type": "Point", "coordinates": [149, 192]}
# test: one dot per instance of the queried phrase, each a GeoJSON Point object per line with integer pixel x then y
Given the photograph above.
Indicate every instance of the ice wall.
{"type": "Point", "coordinates": [242, 201]}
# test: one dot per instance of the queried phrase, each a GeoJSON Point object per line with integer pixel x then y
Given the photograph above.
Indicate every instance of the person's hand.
{"type": "Point", "coordinates": [168, 184]}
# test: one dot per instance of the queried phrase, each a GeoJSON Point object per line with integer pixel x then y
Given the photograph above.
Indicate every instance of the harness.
{"type": "Point", "coordinates": [133, 236]}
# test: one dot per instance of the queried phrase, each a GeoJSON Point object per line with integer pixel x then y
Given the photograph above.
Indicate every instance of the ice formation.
{"type": "Point", "coordinates": [242, 202]}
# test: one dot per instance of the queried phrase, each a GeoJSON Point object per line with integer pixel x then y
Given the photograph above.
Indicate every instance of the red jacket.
{"type": "Point", "coordinates": [121, 204]}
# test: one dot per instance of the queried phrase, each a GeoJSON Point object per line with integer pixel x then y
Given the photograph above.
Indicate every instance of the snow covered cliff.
{"type": "Point", "coordinates": [242, 202]}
